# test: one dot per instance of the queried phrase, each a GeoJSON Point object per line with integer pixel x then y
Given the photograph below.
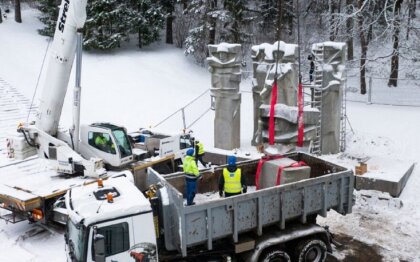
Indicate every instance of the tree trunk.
{"type": "Point", "coordinates": [411, 15]}
{"type": "Point", "coordinates": [169, 31]}
{"type": "Point", "coordinates": [331, 7]}
{"type": "Point", "coordinates": [393, 77]}
{"type": "Point", "coordinates": [212, 30]}
{"type": "Point", "coordinates": [412, 10]}
{"type": "Point", "coordinates": [18, 16]}
{"type": "Point", "coordinates": [349, 27]}
{"type": "Point", "coordinates": [363, 45]}
{"type": "Point", "coordinates": [140, 43]}
{"type": "Point", "coordinates": [184, 4]}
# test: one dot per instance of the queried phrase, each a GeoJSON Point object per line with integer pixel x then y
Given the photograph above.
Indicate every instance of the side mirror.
{"type": "Point", "coordinates": [99, 247]}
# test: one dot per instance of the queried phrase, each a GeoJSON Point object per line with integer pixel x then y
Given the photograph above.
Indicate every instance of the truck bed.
{"type": "Point", "coordinates": [26, 185]}
{"type": "Point", "coordinates": [329, 187]}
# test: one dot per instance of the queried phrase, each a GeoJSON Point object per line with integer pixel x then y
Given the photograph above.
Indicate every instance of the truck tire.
{"type": "Point", "coordinates": [274, 255]}
{"type": "Point", "coordinates": [311, 250]}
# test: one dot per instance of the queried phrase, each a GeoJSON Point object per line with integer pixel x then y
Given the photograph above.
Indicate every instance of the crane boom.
{"type": "Point", "coordinates": [72, 16]}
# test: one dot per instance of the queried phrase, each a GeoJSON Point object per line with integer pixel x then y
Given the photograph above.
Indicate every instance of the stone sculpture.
{"type": "Point", "coordinates": [331, 58]}
{"type": "Point", "coordinates": [225, 67]}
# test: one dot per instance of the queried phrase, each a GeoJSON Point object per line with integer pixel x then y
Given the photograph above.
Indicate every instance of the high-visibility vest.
{"type": "Point", "coordinates": [190, 167]}
{"type": "Point", "coordinates": [200, 148]}
{"type": "Point", "coordinates": [100, 140]}
{"type": "Point", "coordinates": [232, 181]}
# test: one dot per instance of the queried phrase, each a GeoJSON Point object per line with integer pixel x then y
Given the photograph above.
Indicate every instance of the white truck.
{"type": "Point", "coordinates": [119, 221]}
{"type": "Point", "coordinates": [160, 144]}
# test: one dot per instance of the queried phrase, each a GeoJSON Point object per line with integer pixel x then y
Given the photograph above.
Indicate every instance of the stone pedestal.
{"type": "Point", "coordinates": [225, 67]}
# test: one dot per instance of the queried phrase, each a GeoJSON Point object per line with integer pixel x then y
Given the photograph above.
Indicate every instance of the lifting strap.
{"type": "Point", "coordinates": [280, 170]}
{"type": "Point", "coordinates": [300, 116]}
{"type": "Point", "coordinates": [272, 107]}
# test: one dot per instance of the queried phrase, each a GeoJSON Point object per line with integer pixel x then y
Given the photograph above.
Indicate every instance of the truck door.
{"type": "Point", "coordinates": [169, 145]}
{"type": "Point", "coordinates": [145, 238]}
{"type": "Point", "coordinates": [118, 237]}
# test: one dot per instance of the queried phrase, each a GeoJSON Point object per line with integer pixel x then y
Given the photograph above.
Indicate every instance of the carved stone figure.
{"type": "Point", "coordinates": [225, 67]}
{"type": "Point", "coordinates": [330, 58]}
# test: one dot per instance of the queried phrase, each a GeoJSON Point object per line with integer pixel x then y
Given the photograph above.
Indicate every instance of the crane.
{"type": "Point", "coordinates": [87, 148]}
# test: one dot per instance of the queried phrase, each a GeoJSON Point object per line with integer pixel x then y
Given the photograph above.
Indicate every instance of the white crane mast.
{"type": "Point", "coordinates": [72, 16]}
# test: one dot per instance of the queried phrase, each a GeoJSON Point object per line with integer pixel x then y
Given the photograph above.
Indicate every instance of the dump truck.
{"type": "Point", "coordinates": [120, 221]}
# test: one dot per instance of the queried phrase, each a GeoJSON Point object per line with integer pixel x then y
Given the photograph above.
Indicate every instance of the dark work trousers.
{"type": "Point", "coordinates": [200, 158]}
{"type": "Point", "coordinates": [232, 194]}
{"type": "Point", "coordinates": [191, 190]}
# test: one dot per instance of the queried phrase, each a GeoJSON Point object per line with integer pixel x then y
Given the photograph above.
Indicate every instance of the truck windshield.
{"type": "Point", "coordinates": [76, 241]}
{"type": "Point", "coordinates": [122, 142]}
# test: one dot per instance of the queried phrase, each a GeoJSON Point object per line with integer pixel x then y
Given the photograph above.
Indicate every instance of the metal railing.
{"type": "Point", "coordinates": [183, 114]}
{"type": "Point", "coordinates": [378, 92]}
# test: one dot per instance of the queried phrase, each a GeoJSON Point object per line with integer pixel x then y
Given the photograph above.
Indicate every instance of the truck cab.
{"type": "Point", "coordinates": [110, 221]}
{"type": "Point", "coordinates": [108, 142]}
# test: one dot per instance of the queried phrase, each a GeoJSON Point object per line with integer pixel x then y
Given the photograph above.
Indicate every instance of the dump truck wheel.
{"type": "Point", "coordinates": [274, 255]}
{"type": "Point", "coordinates": [311, 250]}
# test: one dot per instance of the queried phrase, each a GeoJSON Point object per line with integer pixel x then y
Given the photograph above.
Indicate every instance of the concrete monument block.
{"type": "Point", "coordinates": [270, 172]}
{"type": "Point", "coordinates": [225, 67]}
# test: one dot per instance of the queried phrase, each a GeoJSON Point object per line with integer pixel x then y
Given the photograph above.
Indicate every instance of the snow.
{"type": "Point", "coordinates": [335, 45]}
{"type": "Point", "coordinates": [289, 113]}
{"type": "Point", "coordinates": [211, 196]}
{"type": "Point", "coordinates": [138, 88]}
{"type": "Point", "coordinates": [164, 196]}
{"type": "Point", "coordinates": [88, 208]}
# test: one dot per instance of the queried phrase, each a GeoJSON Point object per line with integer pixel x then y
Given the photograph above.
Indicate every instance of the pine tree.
{"type": "Point", "coordinates": [202, 30]}
{"type": "Point", "coordinates": [238, 19]}
{"type": "Point", "coordinates": [49, 10]}
{"type": "Point", "coordinates": [276, 20]}
{"type": "Point", "coordinates": [107, 24]}
{"type": "Point", "coordinates": [146, 20]}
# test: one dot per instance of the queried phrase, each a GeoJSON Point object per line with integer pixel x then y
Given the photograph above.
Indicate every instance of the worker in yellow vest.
{"type": "Point", "coordinates": [191, 175]}
{"type": "Point", "coordinates": [231, 182]}
{"type": "Point", "coordinates": [199, 153]}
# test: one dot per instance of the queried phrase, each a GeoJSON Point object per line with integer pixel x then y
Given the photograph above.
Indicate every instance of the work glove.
{"type": "Point", "coordinates": [244, 189]}
{"type": "Point", "coordinates": [221, 193]}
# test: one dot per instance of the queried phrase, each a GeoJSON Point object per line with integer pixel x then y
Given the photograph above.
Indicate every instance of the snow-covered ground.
{"type": "Point", "coordinates": [138, 88]}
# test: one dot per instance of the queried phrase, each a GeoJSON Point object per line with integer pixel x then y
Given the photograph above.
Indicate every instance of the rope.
{"type": "Point", "coordinates": [205, 112]}
{"type": "Point", "coordinates": [182, 108]}
{"type": "Point", "coordinates": [37, 82]}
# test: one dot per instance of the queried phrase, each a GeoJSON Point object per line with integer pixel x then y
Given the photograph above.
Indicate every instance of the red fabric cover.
{"type": "Point", "coordinates": [260, 165]}
{"type": "Point", "coordinates": [297, 164]}
{"type": "Point", "coordinates": [272, 107]}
